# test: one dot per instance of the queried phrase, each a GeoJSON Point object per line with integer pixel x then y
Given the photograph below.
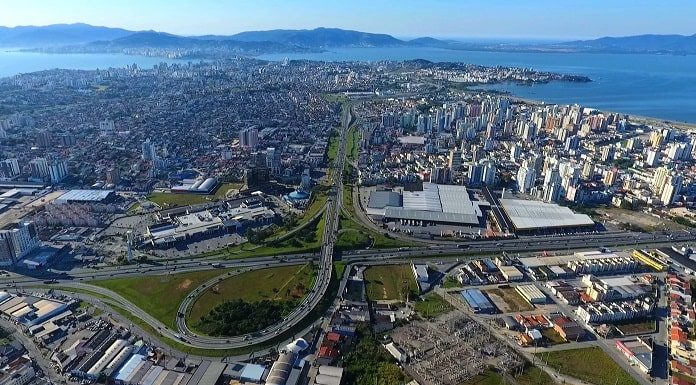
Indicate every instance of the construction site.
{"type": "Point", "coordinates": [452, 349]}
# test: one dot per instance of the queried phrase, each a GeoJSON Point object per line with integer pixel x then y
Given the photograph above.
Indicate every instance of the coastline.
{"type": "Point", "coordinates": [643, 119]}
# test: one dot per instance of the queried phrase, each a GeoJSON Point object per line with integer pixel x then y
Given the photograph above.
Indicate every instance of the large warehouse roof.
{"type": "Point", "coordinates": [437, 203]}
{"type": "Point", "coordinates": [381, 199]}
{"type": "Point", "coordinates": [477, 301]}
{"type": "Point", "coordinates": [529, 215]}
{"type": "Point", "coordinates": [84, 196]}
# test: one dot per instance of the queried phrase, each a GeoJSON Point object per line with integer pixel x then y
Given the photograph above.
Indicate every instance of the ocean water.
{"type": "Point", "coordinates": [16, 62]}
{"type": "Point", "coordinates": [660, 86]}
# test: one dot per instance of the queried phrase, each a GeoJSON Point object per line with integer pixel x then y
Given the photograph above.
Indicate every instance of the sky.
{"type": "Point", "coordinates": [545, 19]}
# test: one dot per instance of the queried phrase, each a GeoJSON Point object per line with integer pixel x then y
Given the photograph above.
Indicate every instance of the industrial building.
{"type": "Point", "coordinates": [196, 186]}
{"type": "Point", "coordinates": [531, 293]}
{"type": "Point", "coordinates": [421, 275]}
{"type": "Point", "coordinates": [615, 289]}
{"type": "Point", "coordinates": [188, 228]}
{"type": "Point", "coordinates": [477, 301]}
{"type": "Point", "coordinates": [527, 216]}
{"type": "Point", "coordinates": [86, 196]}
{"type": "Point", "coordinates": [600, 312]}
{"type": "Point", "coordinates": [435, 204]}
{"type": "Point", "coordinates": [193, 226]}
{"type": "Point", "coordinates": [284, 367]}
{"type": "Point", "coordinates": [511, 273]}
{"type": "Point", "coordinates": [585, 262]}
{"type": "Point", "coordinates": [30, 310]}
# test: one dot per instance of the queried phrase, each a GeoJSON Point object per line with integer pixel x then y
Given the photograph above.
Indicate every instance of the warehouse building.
{"type": "Point", "coordinates": [531, 293]}
{"type": "Point", "coordinates": [477, 301]}
{"type": "Point", "coordinates": [600, 312]}
{"type": "Point", "coordinates": [527, 216]}
{"type": "Point", "coordinates": [511, 273]}
{"type": "Point", "coordinates": [86, 196]}
{"type": "Point", "coordinates": [585, 262]}
{"type": "Point", "coordinates": [435, 204]}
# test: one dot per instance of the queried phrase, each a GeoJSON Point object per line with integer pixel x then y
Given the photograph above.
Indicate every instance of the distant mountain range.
{"type": "Point", "coordinates": [57, 34]}
{"type": "Point", "coordinates": [675, 44]}
{"type": "Point", "coordinates": [87, 38]}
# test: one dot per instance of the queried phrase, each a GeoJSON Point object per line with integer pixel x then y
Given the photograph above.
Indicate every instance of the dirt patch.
{"type": "Point", "coordinates": [185, 284]}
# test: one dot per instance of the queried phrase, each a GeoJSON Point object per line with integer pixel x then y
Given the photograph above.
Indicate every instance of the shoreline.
{"type": "Point", "coordinates": [646, 119]}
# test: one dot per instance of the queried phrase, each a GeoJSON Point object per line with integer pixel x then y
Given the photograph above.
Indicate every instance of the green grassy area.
{"type": "Point", "coordinates": [340, 268]}
{"type": "Point", "coordinates": [165, 199]}
{"type": "Point", "coordinates": [432, 306]}
{"type": "Point", "coordinates": [309, 318]}
{"type": "Point", "coordinates": [298, 243]}
{"type": "Point", "coordinates": [352, 239]}
{"type": "Point", "coordinates": [451, 283]}
{"type": "Point", "coordinates": [532, 375]}
{"type": "Point", "coordinates": [332, 149]}
{"type": "Point", "coordinates": [512, 298]}
{"type": "Point", "coordinates": [369, 363]}
{"type": "Point", "coordinates": [390, 282]}
{"type": "Point", "coordinates": [352, 143]}
{"type": "Point", "coordinates": [335, 98]}
{"type": "Point", "coordinates": [159, 295]}
{"type": "Point", "coordinates": [276, 283]}
{"type": "Point", "coordinates": [588, 364]}
{"type": "Point", "coordinates": [135, 208]}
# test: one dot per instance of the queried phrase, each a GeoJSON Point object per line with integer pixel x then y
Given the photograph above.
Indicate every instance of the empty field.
{"type": "Point", "coordinates": [589, 364]}
{"type": "Point", "coordinates": [508, 300]}
{"type": "Point", "coordinates": [432, 306]}
{"type": "Point", "coordinates": [390, 282]}
{"type": "Point", "coordinates": [159, 295]}
{"type": "Point", "coordinates": [644, 327]}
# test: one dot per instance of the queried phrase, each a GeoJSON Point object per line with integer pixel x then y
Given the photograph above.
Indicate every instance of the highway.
{"type": "Point", "coordinates": [563, 243]}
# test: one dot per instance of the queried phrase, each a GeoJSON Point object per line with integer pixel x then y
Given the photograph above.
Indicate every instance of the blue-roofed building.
{"type": "Point", "coordinates": [252, 373]}
{"type": "Point", "coordinates": [477, 301]}
{"type": "Point", "coordinates": [128, 367]}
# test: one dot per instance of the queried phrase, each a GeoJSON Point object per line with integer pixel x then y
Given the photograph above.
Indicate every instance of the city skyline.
{"type": "Point", "coordinates": [444, 19]}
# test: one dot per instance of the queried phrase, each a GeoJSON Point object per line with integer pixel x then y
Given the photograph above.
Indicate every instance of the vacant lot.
{"type": "Point", "coordinates": [553, 337]}
{"type": "Point", "coordinates": [644, 327]}
{"type": "Point", "coordinates": [432, 306]}
{"type": "Point", "coordinates": [589, 364]}
{"type": "Point", "coordinates": [390, 282]}
{"type": "Point", "coordinates": [638, 220]}
{"type": "Point", "coordinates": [508, 300]}
{"type": "Point", "coordinates": [277, 283]}
{"type": "Point", "coordinates": [159, 295]}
